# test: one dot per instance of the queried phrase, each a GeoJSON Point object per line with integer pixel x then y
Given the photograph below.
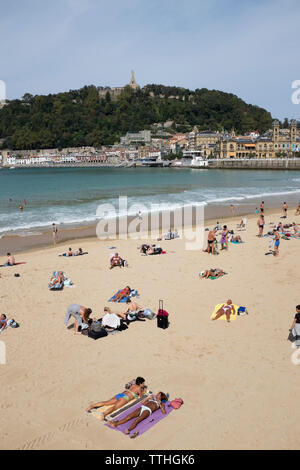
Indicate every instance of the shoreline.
{"type": "Point", "coordinates": [80, 235]}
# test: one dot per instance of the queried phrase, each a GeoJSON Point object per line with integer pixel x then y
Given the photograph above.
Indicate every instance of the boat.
{"type": "Point", "coordinates": [194, 158]}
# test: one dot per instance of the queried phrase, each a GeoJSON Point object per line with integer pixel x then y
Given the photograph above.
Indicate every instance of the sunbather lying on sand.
{"type": "Point", "coordinates": [236, 239]}
{"type": "Point", "coordinates": [3, 322]}
{"type": "Point", "coordinates": [213, 272]}
{"type": "Point", "coordinates": [59, 279]}
{"type": "Point", "coordinates": [148, 406]}
{"type": "Point", "coordinates": [135, 391]}
{"type": "Point", "coordinates": [123, 293]}
{"type": "Point", "coordinates": [143, 248]}
{"type": "Point", "coordinates": [226, 309]}
{"type": "Point", "coordinates": [154, 250]}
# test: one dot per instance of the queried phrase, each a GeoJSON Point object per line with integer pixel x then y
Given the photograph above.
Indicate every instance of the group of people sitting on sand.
{"type": "Point", "coordinates": [110, 320]}
{"type": "Point", "coordinates": [70, 252]}
{"type": "Point", "coordinates": [212, 273]}
{"type": "Point", "coordinates": [150, 249]}
{"type": "Point", "coordinates": [171, 235]}
{"type": "Point", "coordinates": [116, 260]}
{"type": "Point", "coordinates": [133, 391]}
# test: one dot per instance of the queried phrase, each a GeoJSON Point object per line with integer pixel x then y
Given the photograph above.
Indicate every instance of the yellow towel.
{"type": "Point", "coordinates": [223, 317]}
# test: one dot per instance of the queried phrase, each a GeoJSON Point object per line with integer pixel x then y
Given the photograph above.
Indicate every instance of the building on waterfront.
{"type": "Point", "coordinates": [137, 138]}
{"type": "Point", "coordinates": [272, 144]}
{"type": "Point", "coordinates": [114, 92]}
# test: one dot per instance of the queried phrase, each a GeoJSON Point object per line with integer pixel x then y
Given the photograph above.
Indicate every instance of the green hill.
{"type": "Point", "coordinates": [81, 117]}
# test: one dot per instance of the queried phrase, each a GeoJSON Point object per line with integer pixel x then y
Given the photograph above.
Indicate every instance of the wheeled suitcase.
{"type": "Point", "coordinates": [162, 316]}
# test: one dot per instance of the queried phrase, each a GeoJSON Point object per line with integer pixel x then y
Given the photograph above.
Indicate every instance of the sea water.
{"type": "Point", "coordinates": [70, 196]}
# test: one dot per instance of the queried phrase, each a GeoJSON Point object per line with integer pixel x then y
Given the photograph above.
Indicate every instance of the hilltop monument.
{"type": "Point", "coordinates": [115, 91]}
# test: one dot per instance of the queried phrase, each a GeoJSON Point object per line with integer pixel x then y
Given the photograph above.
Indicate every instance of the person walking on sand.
{"type": "Point", "coordinates": [277, 242]}
{"type": "Point", "coordinates": [54, 233]}
{"type": "Point", "coordinates": [298, 210]}
{"type": "Point", "coordinates": [261, 224]}
{"type": "Point", "coordinates": [148, 406]}
{"type": "Point", "coordinates": [226, 309]}
{"type": "Point", "coordinates": [262, 207]}
{"type": "Point", "coordinates": [284, 210]}
{"type": "Point", "coordinates": [232, 209]}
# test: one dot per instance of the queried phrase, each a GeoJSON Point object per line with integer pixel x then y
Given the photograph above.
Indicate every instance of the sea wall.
{"type": "Point", "coordinates": [255, 164]}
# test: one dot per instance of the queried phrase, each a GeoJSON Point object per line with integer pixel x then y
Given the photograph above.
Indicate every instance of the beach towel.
{"type": "Point", "coordinates": [236, 243]}
{"type": "Point", "coordinates": [144, 425]}
{"type": "Point", "coordinates": [10, 266]}
{"type": "Point", "coordinates": [223, 317]}
{"type": "Point", "coordinates": [133, 293]}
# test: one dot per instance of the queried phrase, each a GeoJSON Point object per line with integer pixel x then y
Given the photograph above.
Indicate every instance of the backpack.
{"type": "Point", "coordinates": [176, 403]}
{"type": "Point", "coordinates": [13, 323]}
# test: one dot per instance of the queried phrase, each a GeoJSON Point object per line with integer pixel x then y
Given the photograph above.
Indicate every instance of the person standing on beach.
{"type": "Point", "coordinates": [262, 207]}
{"type": "Point", "coordinates": [284, 210]}
{"type": "Point", "coordinates": [261, 224]}
{"type": "Point", "coordinates": [54, 233]}
{"type": "Point", "coordinates": [224, 238]}
{"type": "Point", "coordinates": [232, 209]}
{"type": "Point", "coordinates": [277, 242]}
{"type": "Point", "coordinates": [211, 238]}
{"type": "Point", "coordinates": [298, 210]}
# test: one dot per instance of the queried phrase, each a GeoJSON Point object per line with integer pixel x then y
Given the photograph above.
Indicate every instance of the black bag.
{"type": "Point", "coordinates": [162, 317]}
{"type": "Point", "coordinates": [97, 334]}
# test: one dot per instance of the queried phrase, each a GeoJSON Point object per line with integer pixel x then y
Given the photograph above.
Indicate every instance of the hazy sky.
{"type": "Point", "coordinates": [249, 47]}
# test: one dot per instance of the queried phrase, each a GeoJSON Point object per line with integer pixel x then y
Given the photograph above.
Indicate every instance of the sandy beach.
{"type": "Point", "coordinates": [237, 380]}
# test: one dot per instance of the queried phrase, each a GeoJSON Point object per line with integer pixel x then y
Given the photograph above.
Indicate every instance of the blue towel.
{"type": "Point", "coordinates": [124, 300]}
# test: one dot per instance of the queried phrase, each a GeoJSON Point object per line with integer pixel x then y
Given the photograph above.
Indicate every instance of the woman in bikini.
{"type": "Point", "coordinates": [226, 309]}
{"type": "Point", "coordinates": [149, 406]}
{"type": "Point", "coordinates": [123, 293]}
{"type": "Point", "coordinates": [135, 391]}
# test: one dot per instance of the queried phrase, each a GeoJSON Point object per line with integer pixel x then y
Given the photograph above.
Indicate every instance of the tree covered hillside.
{"type": "Point", "coordinates": [81, 117]}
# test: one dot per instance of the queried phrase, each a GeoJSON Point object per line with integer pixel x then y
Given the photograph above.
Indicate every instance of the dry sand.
{"type": "Point", "coordinates": [239, 386]}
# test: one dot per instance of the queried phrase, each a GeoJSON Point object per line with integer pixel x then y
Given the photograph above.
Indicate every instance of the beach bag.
{"type": "Point", "coordinates": [242, 311]}
{"type": "Point", "coordinates": [96, 326]}
{"type": "Point", "coordinates": [176, 403]}
{"type": "Point", "coordinates": [13, 323]}
{"type": "Point", "coordinates": [149, 314]}
{"type": "Point", "coordinates": [96, 330]}
{"type": "Point", "coordinates": [162, 317]}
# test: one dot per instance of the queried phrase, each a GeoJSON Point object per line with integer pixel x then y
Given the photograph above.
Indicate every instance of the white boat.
{"type": "Point", "coordinates": [194, 158]}
{"type": "Point", "coordinates": [12, 168]}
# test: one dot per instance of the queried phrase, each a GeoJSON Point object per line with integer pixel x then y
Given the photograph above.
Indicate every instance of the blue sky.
{"type": "Point", "coordinates": [249, 47]}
